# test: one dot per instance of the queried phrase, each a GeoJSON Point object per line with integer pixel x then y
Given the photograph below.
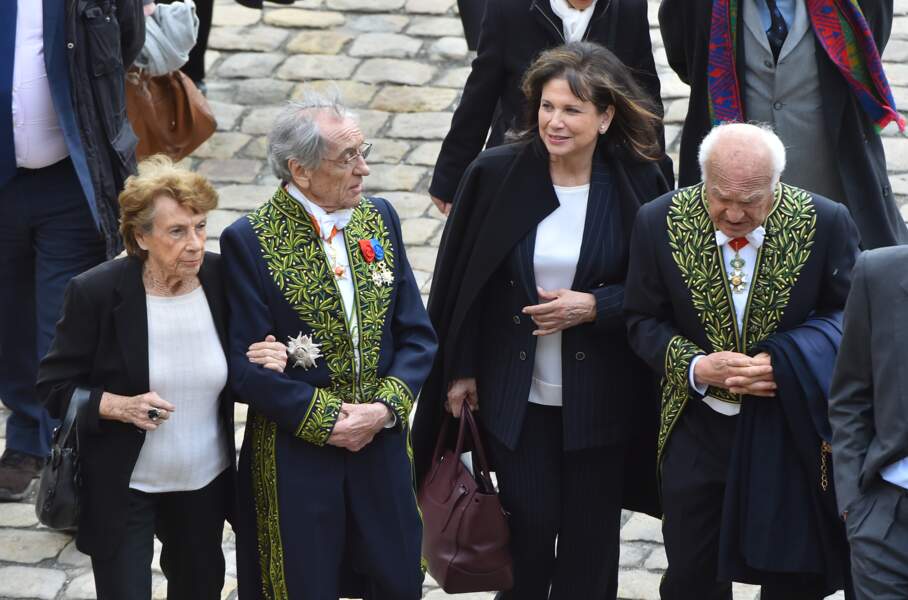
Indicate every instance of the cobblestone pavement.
{"type": "Point", "coordinates": [401, 64]}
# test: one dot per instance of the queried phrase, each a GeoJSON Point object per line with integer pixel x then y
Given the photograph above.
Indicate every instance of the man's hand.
{"type": "Point", "coordinates": [460, 391]}
{"type": "Point", "coordinates": [738, 373]}
{"type": "Point", "coordinates": [357, 424]}
{"type": "Point", "coordinates": [442, 206]}
{"type": "Point", "coordinates": [560, 310]}
{"type": "Point", "coordinates": [753, 379]}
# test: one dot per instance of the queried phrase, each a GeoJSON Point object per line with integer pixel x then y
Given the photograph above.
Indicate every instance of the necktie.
{"type": "Point", "coordinates": [7, 60]}
{"type": "Point", "coordinates": [778, 28]}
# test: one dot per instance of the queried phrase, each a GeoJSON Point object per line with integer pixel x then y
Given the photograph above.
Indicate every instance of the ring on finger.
{"type": "Point", "coordinates": [154, 414]}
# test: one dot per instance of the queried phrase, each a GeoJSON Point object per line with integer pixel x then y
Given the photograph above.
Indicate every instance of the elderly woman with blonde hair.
{"type": "Point", "coordinates": [143, 339]}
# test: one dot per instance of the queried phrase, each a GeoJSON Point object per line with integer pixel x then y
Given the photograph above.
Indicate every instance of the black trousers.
{"type": "Point", "coordinates": [569, 498]}
{"type": "Point", "coordinates": [694, 470]}
{"type": "Point", "coordinates": [190, 526]}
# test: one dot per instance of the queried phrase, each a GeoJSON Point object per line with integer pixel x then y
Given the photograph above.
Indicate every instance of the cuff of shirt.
{"type": "Point", "coordinates": [700, 389]}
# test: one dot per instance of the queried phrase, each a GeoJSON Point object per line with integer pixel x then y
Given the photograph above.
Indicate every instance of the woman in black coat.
{"type": "Point", "coordinates": [144, 337]}
{"type": "Point", "coordinates": [527, 302]}
{"type": "Point", "coordinates": [513, 34]}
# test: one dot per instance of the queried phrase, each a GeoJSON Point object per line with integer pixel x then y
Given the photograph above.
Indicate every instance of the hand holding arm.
{"type": "Point", "coordinates": [270, 353]}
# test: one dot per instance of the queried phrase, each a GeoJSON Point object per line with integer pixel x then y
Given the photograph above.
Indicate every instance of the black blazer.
{"type": "Point", "coordinates": [484, 277]}
{"type": "Point", "coordinates": [513, 33]}
{"type": "Point", "coordinates": [685, 26]}
{"type": "Point", "coordinates": [101, 344]}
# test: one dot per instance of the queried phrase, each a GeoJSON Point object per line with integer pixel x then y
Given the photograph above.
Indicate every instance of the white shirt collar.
{"type": "Point", "coordinates": [573, 22]}
{"type": "Point", "coordinates": [326, 221]}
{"type": "Point", "coordinates": [754, 238]}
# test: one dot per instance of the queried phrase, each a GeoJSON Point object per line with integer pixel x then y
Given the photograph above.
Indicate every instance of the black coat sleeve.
{"type": "Point", "coordinates": [69, 362]}
{"type": "Point", "coordinates": [647, 304]}
{"type": "Point", "coordinates": [677, 37]}
{"type": "Point", "coordinates": [131, 17]}
{"type": "Point", "coordinates": [473, 117]}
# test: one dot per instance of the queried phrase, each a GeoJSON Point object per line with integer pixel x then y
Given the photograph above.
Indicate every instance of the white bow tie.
{"type": "Point", "coordinates": [754, 238]}
{"type": "Point", "coordinates": [327, 222]}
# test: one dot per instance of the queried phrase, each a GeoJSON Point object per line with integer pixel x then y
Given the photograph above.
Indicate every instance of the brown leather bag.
{"type": "Point", "coordinates": [168, 113]}
{"type": "Point", "coordinates": [465, 530]}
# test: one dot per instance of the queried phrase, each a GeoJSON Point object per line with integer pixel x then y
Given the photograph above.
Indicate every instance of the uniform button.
{"type": "Point", "coordinates": [778, 105]}
{"type": "Point", "coordinates": [511, 283]}
{"type": "Point", "coordinates": [70, 45]}
{"type": "Point", "coordinates": [516, 320]}
{"type": "Point", "coordinates": [523, 355]}
{"type": "Point", "coordinates": [580, 356]}
{"type": "Point", "coordinates": [768, 64]}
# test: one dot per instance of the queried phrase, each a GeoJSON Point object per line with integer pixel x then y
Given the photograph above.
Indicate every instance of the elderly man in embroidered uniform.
{"type": "Point", "coordinates": [326, 497]}
{"type": "Point", "coordinates": [727, 279]}
{"type": "Point", "coordinates": [812, 69]}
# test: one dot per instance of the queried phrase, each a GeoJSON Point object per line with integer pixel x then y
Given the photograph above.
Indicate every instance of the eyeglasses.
{"type": "Point", "coordinates": [349, 157]}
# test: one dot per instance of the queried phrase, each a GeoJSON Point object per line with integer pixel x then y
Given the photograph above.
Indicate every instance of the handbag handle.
{"type": "Point", "coordinates": [79, 399]}
{"type": "Point", "coordinates": [467, 418]}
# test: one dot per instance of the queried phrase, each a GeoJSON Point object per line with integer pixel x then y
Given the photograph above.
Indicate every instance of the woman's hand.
{"type": "Point", "coordinates": [460, 391]}
{"type": "Point", "coordinates": [136, 409]}
{"type": "Point", "coordinates": [271, 354]}
{"type": "Point", "coordinates": [560, 310]}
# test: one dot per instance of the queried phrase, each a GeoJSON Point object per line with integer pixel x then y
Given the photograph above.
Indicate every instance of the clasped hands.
{"type": "Point", "coordinates": [357, 425]}
{"type": "Point", "coordinates": [738, 373]}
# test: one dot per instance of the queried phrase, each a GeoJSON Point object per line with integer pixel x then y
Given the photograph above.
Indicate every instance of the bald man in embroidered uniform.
{"type": "Point", "coordinates": [326, 494]}
{"type": "Point", "coordinates": [719, 272]}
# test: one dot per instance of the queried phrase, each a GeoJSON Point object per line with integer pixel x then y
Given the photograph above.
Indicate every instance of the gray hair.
{"type": "Point", "coordinates": [761, 131]}
{"type": "Point", "coordinates": [296, 135]}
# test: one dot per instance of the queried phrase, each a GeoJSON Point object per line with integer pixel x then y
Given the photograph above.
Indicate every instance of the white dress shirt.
{"type": "Point", "coordinates": [896, 473]}
{"type": "Point", "coordinates": [557, 250]}
{"type": "Point", "coordinates": [37, 135]}
{"type": "Point", "coordinates": [335, 248]}
{"type": "Point", "coordinates": [749, 254]}
{"type": "Point", "coordinates": [188, 368]}
{"type": "Point", "coordinates": [573, 22]}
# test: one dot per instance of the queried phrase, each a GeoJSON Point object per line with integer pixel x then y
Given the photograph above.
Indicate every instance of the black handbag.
{"type": "Point", "coordinates": [57, 504]}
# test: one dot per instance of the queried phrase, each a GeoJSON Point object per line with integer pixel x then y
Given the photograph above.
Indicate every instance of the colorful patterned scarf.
{"type": "Point", "coordinates": [842, 31]}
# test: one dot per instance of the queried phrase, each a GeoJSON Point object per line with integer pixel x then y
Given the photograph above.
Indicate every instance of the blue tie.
{"type": "Point", "coordinates": [7, 60]}
{"type": "Point", "coordinates": [778, 29]}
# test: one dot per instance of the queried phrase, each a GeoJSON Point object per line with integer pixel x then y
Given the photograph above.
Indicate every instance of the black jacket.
{"type": "Point", "coordinates": [685, 26]}
{"type": "Point", "coordinates": [513, 33]}
{"type": "Point", "coordinates": [484, 277]}
{"type": "Point", "coordinates": [101, 344]}
{"type": "Point", "coordinates": [103, 38]}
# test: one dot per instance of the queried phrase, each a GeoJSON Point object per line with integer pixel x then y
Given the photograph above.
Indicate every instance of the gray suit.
{"type": "Point", "coordinates": [868, 410]}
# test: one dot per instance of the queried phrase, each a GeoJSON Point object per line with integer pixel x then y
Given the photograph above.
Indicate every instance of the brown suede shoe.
{"type": "Point", "coordinates": [17, 471]}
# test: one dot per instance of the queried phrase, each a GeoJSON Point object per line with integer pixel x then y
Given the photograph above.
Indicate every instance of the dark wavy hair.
{"type": "Point", "coordinates": [595, 74]}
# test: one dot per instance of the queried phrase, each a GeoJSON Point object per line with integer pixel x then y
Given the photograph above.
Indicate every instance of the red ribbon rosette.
{"type": "Point", "coordinates": [365, 246]}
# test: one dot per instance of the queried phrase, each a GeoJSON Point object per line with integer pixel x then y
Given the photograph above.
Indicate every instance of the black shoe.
{"type": "Point", "coordinates": [17, 472]}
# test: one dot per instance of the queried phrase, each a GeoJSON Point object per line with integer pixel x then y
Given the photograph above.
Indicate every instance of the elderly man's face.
{"type": "Point", "coordinates": [337, 183]}
{"type": "Point", "coordinates": [739, 188]}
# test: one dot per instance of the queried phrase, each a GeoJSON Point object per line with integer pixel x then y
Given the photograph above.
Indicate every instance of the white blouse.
{"type": "Point", "coordinates": [186, 367]}
{"type": "Point", "coordinates": [557, 250]}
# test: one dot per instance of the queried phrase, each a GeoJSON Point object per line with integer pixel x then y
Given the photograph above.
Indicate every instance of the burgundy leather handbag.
{"type": "Point", "coordinates": [465, 530]}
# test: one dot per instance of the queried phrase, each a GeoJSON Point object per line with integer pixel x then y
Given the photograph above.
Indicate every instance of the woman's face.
{"type": "Point", "coordinates": [569, 126]}
{"type": "Point", "coordinates": [176, 242]}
